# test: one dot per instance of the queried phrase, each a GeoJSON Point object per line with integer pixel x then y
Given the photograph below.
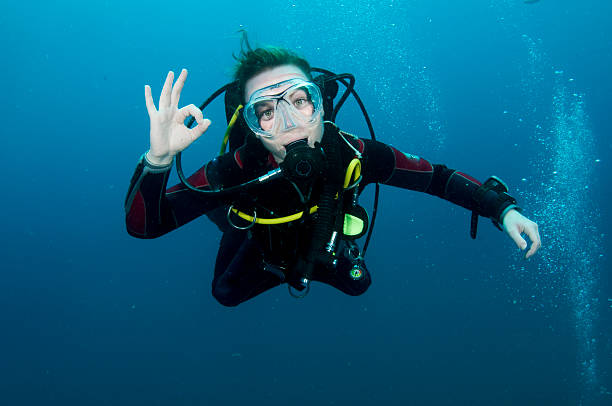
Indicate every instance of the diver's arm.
{"type": "Point", "coordinates": [152, 211]}
{"type": "Point", "coordinates": [385, 164]}
{"type": "Point", "coordinates": [489, 199]}
{"type": "Point", "coordinates": [464, 190]}
{"type": "Point", "coordinates": [390, 166]}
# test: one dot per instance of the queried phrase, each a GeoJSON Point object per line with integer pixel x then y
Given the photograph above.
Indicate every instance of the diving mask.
{"type": "Point", "coordinates": [293, 103]}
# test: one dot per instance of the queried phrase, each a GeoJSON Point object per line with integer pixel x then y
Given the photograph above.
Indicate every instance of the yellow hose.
{"type": "Point", "coordinates": [228, 130]}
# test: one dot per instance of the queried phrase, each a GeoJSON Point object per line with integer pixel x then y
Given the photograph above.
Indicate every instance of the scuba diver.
{"type": "Point", "coordinates": [286, 194]}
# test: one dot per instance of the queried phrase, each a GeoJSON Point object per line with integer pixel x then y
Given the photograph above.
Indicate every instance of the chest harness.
{"type": "Point", "coordinates": [337, 215]}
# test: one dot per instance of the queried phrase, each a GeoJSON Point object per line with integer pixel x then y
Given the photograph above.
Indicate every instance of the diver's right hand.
{"type": "Point", "coordinates": [169, 135]}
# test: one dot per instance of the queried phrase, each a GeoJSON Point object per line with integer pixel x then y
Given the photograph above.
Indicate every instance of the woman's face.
{"type": "Point", "coordinates": [279, 139]}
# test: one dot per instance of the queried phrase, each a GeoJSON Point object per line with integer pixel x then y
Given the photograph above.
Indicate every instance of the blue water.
{"type": "Point", "coordinates": [93, 316]}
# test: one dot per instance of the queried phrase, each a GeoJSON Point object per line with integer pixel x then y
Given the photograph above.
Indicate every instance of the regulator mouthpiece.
{"type": "Point", "coordinates": [303, 162]}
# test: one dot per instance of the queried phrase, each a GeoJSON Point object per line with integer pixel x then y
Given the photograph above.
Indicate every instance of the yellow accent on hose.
{"type": "Point", "coordinates": [230, 125]}
{"type": "Point", "coordinates": [352, 171]}
{"type": "Point", "coordinates": [279, 220]}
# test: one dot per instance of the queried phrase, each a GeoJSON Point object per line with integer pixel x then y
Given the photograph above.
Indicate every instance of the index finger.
{"type": "Point", "coordinates": [178, 87]}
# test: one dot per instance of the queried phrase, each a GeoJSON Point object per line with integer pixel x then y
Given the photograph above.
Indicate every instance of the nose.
{"type": "Point", "coordinates": [284, 119]}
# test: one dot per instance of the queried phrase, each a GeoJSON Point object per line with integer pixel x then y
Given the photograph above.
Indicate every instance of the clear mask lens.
{"type": "Point", "coordinates": [283, 106]}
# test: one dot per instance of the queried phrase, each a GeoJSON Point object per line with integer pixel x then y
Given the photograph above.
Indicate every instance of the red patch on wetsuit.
{"type": "Point", "coordinates": [468, 177]}
{"type": "Point", "coordinates": [198, 179]}
{"type": "Point", "coordinates": [238, 158]}
{"type": "Point", "coordinates": [410, 163]}
{"type": "Point", "coordinates": [360, 146]}
{"type": "Point", "coordinates": [137, 215]}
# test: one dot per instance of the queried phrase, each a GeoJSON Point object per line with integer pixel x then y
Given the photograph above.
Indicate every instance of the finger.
{"type": "Point", "coordinates": [203, 123]}
{"type": "Point", "coordinates": [536, 243]}
{"type": "Point", "coordinates": [164, 99]}
{"type": "Point", "coordinates": [188, 111]}
{"type": "Point", "coordinates": [149, 101]}
{"type": "Point", "coordinates": [178, 87]}
{"type": "Point", "coordinates": [518, 240]}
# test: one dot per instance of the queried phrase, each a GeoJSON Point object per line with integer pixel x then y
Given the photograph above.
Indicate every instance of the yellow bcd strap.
{"type": "Point", "coordinates": [353, 171]}
{"type": "Point", "coordinates": [279, 220]}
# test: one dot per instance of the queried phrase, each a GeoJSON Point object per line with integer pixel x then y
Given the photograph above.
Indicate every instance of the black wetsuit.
{"type": "Point", "coordinates": [250, 262]}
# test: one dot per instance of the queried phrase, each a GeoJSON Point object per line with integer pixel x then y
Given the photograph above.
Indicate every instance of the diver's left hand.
{"type": "Point", "coordinates": [516, 224]}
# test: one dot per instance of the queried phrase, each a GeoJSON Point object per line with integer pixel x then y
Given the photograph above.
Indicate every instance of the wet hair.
{"type": "Point", "coordinates": [250, 62]}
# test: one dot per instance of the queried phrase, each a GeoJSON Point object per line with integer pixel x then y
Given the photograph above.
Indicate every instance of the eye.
{"type": "Point", "coordinates": [265, 115]}
{"type": "Point", "coordinates": [300, 99]}
{"type": "Point", "coordinates": [264, 110]}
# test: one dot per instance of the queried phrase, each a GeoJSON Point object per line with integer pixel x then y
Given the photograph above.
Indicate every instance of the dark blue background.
{"type": "Point", "coordinates": [92, 316]}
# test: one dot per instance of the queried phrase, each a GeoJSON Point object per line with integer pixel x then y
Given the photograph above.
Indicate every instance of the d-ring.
{"type": "Point", "coordinates": [299, 295]}
{"type": "Point", "coordinates": [229, 220]}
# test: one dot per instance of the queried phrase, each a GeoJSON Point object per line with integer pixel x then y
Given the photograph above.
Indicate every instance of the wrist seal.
{"type": "Point", "coordinates": [491, 200]}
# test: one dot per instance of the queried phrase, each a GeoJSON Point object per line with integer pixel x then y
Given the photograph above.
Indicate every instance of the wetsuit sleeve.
{"type": "Point", "coordinates": [390, 166]}
{"type": "Point", "coordinates": [151, 210]}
